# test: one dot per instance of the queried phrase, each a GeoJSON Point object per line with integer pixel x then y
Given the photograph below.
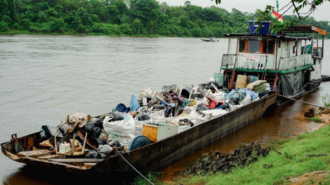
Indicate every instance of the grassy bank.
{"type": "Point", "coordinates": [291, 163]}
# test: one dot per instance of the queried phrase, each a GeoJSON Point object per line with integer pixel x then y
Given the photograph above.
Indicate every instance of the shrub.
{"type": "Point", "coordinates": [326, 99]}
{"type": "Point", "coordinates": [3, 26]}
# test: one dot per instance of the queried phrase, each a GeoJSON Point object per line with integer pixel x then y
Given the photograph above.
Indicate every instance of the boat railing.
{"type": "Point", "coordinates": [257, 62]}
{"type": "Point", "coordinates": [288, 63]}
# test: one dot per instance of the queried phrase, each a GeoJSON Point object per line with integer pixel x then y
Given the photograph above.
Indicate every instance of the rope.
{"type": "Point", "coordinates": [239, 28]}
{"type": "Point", "coordinates": [302, 102]}
{"type": "Point", "coordinates": [135, 169]}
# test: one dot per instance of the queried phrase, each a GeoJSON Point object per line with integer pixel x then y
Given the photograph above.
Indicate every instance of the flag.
{"type": "Point", "coordinates": [276, 16]}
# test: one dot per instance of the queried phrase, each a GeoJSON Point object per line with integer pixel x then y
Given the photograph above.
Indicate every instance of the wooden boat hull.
{"type": "Point", "coordinates": [159, 155]}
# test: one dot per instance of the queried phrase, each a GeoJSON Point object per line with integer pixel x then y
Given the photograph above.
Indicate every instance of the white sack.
{"type": "Point", "coordinates": [215, 112]}
{"type": "Point", "coordinates": [139, 126]}
{"type": "Point", "coordinates": [199, 119]}
{"type": "Point", "coordinates": [189, 109]}
{"type": "Point", "coordinates": [158, 117]}
{"type": "Point", "coordinates": [125, 126]}
{"type": "Point", "coordinates": [202, 101]}
{"type": "Point", "coordinates": [145, 92]}
{"type": "Point", "coordinates": [246, 100]}
{"type": "Point", "coordinates": [234, 107]}
{"type": "Point", "coordinates": [217, 96]}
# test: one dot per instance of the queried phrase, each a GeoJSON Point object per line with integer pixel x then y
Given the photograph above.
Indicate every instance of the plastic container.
{"type": "Point", "coordinates": [155, 133]}
{"type": "Point", "coordinates": [253, 78]}
{"type": "Point", "coordinates": [218, 77]}
{"type": "Point", "coordinates": [240, 82]}
{"type": "Point", "coordinates": [263, 31]}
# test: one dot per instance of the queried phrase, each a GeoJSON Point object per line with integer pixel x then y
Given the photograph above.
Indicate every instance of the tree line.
{"type": "Point", "coordinates": [119, 17]}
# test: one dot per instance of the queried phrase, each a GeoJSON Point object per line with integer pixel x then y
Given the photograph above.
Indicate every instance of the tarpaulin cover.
{"type": "Point", "coordinates": [292, 83]}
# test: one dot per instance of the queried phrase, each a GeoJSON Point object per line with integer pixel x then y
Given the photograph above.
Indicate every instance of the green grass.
{"type": "Point", "coordinates": [286, 165]}
{"type": "Point", "coordinates": [315, 119]}
{"type": "Point", "coordinates": [326, 99]}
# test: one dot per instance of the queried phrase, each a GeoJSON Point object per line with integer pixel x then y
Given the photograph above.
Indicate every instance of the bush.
{"type": "Point", "coordinates": [3, 26]}
{"type": "Point", "coordinates": [35, 29]}
{"type": "Point", "coordinates": [7, 19]}
{"type": "Point", "coordinates": [57, 25]}
{"type": "Point", "coordinates": [15, 26]}
{"type": "Point", "coordinates": [25, 24]}
{"type": "Point", "coordinates": [126, 29]}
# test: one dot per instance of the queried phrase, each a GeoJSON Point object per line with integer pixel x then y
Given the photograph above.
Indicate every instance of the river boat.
{"type": "Point", "coordinates": [276, 65]}
{"type": "Point", "coordinates": [285, 60]}
{"type": "Point", "coordinates": [211, 39]}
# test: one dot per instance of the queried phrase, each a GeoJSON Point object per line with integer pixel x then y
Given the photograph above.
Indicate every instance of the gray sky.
{"type": "Point", "coordinates": [321, 13]}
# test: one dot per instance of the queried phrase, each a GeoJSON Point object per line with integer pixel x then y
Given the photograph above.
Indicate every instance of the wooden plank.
{"type": "Point", "coordinates": [318, 30]}
{"type": "Point", "coordinates": [34, 154]}
{"type": "Point", "coordinates": [77, 160]}
{"type": "Point", "coordinates": [47, 157]}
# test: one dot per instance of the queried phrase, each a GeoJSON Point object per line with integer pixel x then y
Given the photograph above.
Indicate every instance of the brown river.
{"type": "Point", "coordinates": [44, 78]}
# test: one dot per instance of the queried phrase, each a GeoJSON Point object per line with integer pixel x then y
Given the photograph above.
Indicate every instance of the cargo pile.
{"type": "Point", "coordinates": [215, 162]}
{"type": "Point", "coordinates": [152, 116]}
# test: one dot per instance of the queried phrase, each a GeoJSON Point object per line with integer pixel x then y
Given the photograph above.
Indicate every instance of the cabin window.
{"type": "Point", "coordinates": [242, 46]}
{"type": "Point", "coordinates": [253, 46]}
{"type": "Point", "coordinates": [271, 45]}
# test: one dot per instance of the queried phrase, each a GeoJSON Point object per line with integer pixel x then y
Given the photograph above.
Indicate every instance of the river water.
{"type": "Point", "coordinates": [44, 78]}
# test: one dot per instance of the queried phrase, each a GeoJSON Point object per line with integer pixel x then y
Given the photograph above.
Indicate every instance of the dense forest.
{"type": "Point", "coordinates": [118, 17]}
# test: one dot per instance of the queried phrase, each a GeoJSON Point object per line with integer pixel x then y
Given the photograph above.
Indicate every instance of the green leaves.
{"type": "Point", "coordinates": [217, 1]}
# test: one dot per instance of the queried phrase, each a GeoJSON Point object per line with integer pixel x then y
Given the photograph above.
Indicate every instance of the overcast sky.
{"type": "Point", "coordinates": [321, 13]}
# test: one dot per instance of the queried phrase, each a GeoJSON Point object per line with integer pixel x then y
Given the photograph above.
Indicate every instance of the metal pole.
{"type": "Point", "coordinates": [305, 47]}
{"type": "Point", "coordinates": [229, 40]}
{"type": "Point", "coordinates": [312, 45]}
{"type": "Point", "coordinates": [237, 45]}
{"type": "Point", "coordinates": [322, 45]}
{"type": "Point", "coordinates": [317, 45]}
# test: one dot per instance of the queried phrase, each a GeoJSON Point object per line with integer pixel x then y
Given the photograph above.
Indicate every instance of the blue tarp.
{"type": "Point", "coordinates": [134, 105]}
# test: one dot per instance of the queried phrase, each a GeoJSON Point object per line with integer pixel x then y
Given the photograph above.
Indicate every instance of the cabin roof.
{"type": "Point", "coordinates": [281, 37]}
{"type": "Point", "coordinates": [306, 29]}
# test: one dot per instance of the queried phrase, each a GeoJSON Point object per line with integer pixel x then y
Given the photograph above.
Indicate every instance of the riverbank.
{"type": "Point", "coordinates": [286, 168]}
{"type": "Point", "coordinates": [23, 32]}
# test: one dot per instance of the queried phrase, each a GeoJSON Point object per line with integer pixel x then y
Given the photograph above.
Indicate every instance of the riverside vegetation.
{"type": "Point", "coordinates": [118, 17]}
{"type": "Point", "coordinates": [302, 160]}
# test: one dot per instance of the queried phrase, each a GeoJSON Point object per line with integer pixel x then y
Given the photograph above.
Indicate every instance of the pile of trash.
{"type": "Point", "coordinates": [211, 163]}
{"type": "Point", "coordinates": [150, 117]}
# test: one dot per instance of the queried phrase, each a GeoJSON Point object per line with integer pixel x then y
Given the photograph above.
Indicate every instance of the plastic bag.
{"type": "Point", "coordinates": [176, 120]}
{"type": "Point", "coordinates": [125, 126]}
{"type": "Point", "coordinates": [139, 126]}
{"type": "Point", "coordinates": [215, 112]}
{"type": "Point", "coordinates": [217, 96]}
{"type": "Point", "coordinates": [203, 100]}
{"type": "Point", "coordinates": [246, 100]}
{"type": "Point", "coordinates": [188, 110]}
{"type": "Point", "coordinates": [199, 119]}
{"type": "Point", "coordinates": [158, 117]}
{"type": "Point", "coordinates": [234, 107]}
{"type": "Point", "coordinates": [145, 92]}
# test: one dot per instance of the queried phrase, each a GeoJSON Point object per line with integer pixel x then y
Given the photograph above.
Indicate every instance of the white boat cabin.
{"type": "Point", "coordinates": [276, 54]}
